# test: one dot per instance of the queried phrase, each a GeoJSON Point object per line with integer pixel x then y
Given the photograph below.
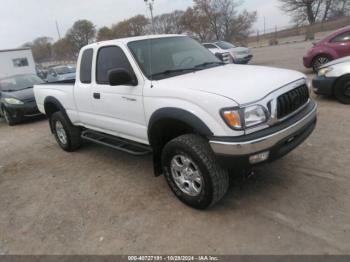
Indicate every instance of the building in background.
{"type": "Point", "coordinates": [16, 62]}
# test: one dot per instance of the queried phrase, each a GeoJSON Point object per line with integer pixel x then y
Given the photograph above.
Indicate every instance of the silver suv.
{"type": "Point", "coordinates": [238, 55]}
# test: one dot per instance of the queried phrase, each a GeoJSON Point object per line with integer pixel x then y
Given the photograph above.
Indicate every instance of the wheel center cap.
{"type": "Point", "coordinates": [187, 173]}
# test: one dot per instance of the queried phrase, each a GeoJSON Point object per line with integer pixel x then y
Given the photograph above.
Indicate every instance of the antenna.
{"type": "Point", "coordinates": [150, 4]}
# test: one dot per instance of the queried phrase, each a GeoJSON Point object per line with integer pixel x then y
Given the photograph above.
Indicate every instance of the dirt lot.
{"type": "Point", "coordinates": [98, 201]}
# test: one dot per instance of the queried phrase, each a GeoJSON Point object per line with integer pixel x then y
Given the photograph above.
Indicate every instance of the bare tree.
{"type": "Point", "coordinates": [134, 26]}
{"type": "Point", "coordinates": [338, 8]}
{"type": "Point", "coordinates": [41, 48]}
{"type": "Point", "coordinates": [63, 50]}
{"type": "Point", "coordinates": [196, 24]}
{"type": "Point", "coordinates": [82, 33]}
{"type": "Point", "coordinates": [170, 23]}
{"type": "Point", "coordinates": [219, 19]}
{"type": "Point", "coordinates": [105, 33]}
{"type": "Point", "coordinates": [312, 11]}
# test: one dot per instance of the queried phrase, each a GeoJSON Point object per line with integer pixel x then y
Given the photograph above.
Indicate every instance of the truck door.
{"type": "Point", "coordinates": [118, 109]}
{"type": "Point", "coordinates": [83, 89]}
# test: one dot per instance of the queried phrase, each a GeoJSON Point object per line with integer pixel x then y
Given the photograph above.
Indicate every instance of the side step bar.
{"type": "Point", "coordinates": [117, 143]}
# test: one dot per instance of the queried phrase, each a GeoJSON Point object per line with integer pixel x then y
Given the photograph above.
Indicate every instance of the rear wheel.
{"type": "Point", "coordinates": [67, 135]}
{"type": "Point", "coordinates": [342, 90]}
{"type": "Point", "coordinates": [319, 61]}
{"type": "Point", "coordinates": [193, 173]}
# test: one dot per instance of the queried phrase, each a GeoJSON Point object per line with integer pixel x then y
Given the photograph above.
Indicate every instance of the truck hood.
{"type": "Point", "coordinates": [241, 83]}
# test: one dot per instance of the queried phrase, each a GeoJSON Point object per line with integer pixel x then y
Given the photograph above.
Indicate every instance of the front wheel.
{"type": "Point", "coordinates": [319, 61]}
{"type": "Point", "coordinates": [8, 118]}
{"type": "Point", "coordinates": [66, 134]}
{"type": "Point", "coordinates": [342, 90]}
{"type": "Point", "coordinates": [193, 173]}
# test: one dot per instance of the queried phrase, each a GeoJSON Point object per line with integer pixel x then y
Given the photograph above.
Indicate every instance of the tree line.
{"type": "Point", "coordinates": [205, 20]}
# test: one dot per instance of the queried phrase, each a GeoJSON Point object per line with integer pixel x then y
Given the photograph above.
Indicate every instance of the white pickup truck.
{"type": "Point", "coordinates": [169, 96]}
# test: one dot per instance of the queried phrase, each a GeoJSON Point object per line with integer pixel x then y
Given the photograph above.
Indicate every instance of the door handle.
{"type": "Point", "coordinates": [97, 95]}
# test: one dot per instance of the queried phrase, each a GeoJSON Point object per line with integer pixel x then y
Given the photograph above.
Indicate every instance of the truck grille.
{"type": "Point", "coordinates": [292, 101]}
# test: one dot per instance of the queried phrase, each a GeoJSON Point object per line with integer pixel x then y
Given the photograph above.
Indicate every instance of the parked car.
{"type": "Point", "coordinates": [334, 79]}
{"type": "Point", "coordinates": [239, 55]}
{"type": "Point", "coordinates": [170, 97]}
{"type": "Point", "coordinates": [61, 73]}
{"type": "Point", "coordinates": [334, 46]}
{"type": "Point", "coordinates": [17, 100]}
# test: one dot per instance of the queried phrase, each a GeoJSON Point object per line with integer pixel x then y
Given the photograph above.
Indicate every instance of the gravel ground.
{"type": "Point", "coordinates": [99, 201]}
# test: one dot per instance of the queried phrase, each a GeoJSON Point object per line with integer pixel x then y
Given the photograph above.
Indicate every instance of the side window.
{"type": "Point", "coordinates": [345, 37]}
{"type": "Point", "coordinates": [20, 62]}
{"type": "Point", "coordinates": [86, 66]}
{"type": "Point", "coordinates": [110, 57]}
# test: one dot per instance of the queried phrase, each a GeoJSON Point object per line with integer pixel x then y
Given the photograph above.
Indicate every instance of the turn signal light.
{"type": "Point", "coordinates": [232, 118]}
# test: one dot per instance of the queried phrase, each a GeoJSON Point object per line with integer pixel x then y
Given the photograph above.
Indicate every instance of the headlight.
{"type": "Point", "coordinates": [13, 101]}
{"type": "Point", "coordinates": [324, 71]}
{"type": "Point", "coordinates": [254, 115]}
{"type": "Point", "coordinates": [245, 117]}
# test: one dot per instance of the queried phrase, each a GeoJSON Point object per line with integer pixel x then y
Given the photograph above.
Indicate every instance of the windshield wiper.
{"type": "Point", "coordinates": [193, 69]}
{"type": "Point", "coordinates": [208, 64]}
{"type": "Point", "coordinates": [172, 71]}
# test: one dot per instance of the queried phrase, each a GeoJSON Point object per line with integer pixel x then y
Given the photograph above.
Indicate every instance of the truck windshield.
{"type": "Point", "coordinates": [162, 58]}
{"type": "Point", "coordinates": [20, 82]}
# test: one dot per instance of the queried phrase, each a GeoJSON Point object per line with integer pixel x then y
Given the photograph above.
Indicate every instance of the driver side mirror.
{"type": "Point", "coordinates": [121, 77]}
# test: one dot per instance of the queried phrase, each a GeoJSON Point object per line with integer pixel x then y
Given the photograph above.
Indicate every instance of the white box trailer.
{"type": "Point", "coordinates": [16, 62]}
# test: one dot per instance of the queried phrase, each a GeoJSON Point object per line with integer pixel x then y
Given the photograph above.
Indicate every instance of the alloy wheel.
{"type": "Point", "coordinates": [186, 175]}
{"type": "Point", "coordinates": [61, 133]}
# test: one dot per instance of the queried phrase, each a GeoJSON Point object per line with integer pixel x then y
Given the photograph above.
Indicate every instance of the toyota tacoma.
{"type": "Point", "coordinates": [171, 97]}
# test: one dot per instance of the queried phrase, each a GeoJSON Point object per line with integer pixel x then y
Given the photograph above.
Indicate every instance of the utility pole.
{"type": "Point", "coordinates": [264, 25]}
{"type": "Point", "coordinates": [150, 4]}
{"type": "Point", "coordinates": [58, 31]}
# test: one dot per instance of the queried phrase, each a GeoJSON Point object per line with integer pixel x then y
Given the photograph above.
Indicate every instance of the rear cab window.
{"type": "Point", "coordinates": [86, 66]}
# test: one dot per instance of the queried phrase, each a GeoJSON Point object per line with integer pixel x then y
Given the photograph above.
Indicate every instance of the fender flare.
{"type": "Point", "coordinates": [169, 114]}
{"type": "Point", "coordinates": [172, 113]}
{"type": "Point", "coordinates": [57, 103]}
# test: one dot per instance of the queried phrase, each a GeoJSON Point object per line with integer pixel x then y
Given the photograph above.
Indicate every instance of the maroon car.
{"type": "Point", "coordinates": [332, 47]}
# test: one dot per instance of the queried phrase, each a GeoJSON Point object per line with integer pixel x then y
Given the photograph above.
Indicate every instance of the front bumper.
{"type": "Point", "coordinates": [307, 61]}
{"type": "Point", "coordinates": [278, 141]}
{"type": "Point", "coordinates": [323, 85]}
{"type": "Point", "coordinates": [27, 110]}
{"type": "Point", "coordinates": [243, 60]}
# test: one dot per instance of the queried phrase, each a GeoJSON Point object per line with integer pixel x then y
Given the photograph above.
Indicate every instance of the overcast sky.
{"type": "Point", "coordinates": [23, 20]}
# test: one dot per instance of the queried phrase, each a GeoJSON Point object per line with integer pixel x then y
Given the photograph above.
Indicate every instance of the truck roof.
{"type": "Point", "coordinates": [14, 50]}
{"type": "Point", "coordinates": [131, 39]}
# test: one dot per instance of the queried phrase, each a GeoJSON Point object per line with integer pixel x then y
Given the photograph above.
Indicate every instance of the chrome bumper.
{"type": "Point", "coordinates": [263, 143]}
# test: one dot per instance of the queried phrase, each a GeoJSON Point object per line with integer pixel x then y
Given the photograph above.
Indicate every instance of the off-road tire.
{"type": "Point", "coordinates": [216, 179]}
{"type": "Point", "coordinates": [342, 90]}
{"type": "Point", "coordinates": [73, 133]}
